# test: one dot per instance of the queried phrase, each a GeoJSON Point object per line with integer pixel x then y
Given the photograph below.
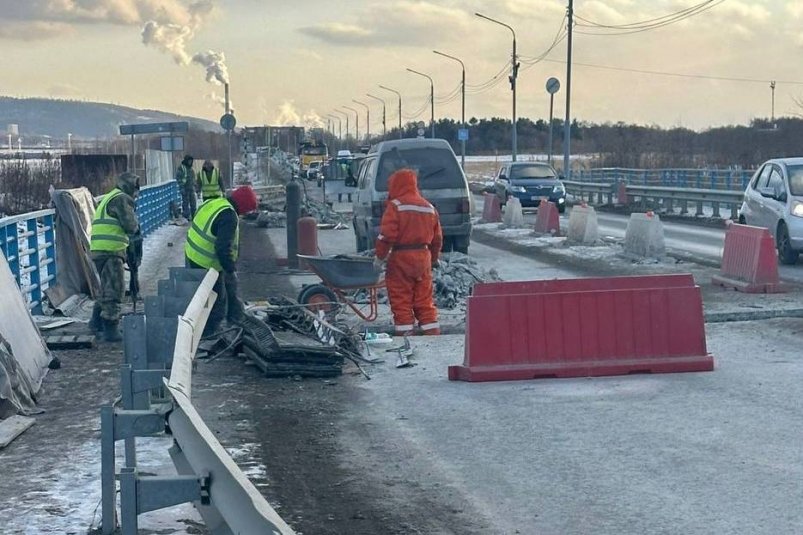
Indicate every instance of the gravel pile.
{"type": "Point", "coordinates": [454, 280]}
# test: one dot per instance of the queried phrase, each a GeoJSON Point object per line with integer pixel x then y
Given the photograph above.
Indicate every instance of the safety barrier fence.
{"type": "Point", "coordinates": [723, 179]}
{"type": "Point", "coordinates": [156, 398]}
{"type": "Point", "coordinates": [664, 197]}
{"type": "Point", "coordinates": [28, 241]}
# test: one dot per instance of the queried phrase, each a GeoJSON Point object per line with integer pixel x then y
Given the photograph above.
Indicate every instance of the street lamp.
{"type": "Point", "coordinates": [339, 127]}
{"type": "Point", "coordinates": [463, 113]}
{"type": "Point", "coordinates": [357, 124]}
{"type": "Point", "coordinates": [367, 119]}
{"type": "Point", "coordinates": [384, 126]}
{"type": "Point", "coordinates": [346, 115]}
{"type": "Point", "coordinates": [400, 112]}
{"type": "Point", "coordinates": [514, 74]}
{"type": "Point", "coordinates": [431, 99]}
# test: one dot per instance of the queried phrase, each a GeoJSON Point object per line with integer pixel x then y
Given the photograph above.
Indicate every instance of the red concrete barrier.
{"type": "Point", "coordinates": [547, 221]}
{"type": "Point", "coordinates": [307, 238]}
{"type": "Point", "coordinates": [491, 209]}
{"type": "Point", "coordinates": [749, 261]}
{"type": "Point", "coordinates": [583, 328]}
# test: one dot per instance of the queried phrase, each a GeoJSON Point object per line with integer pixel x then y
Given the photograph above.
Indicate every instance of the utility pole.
{"type": "Point", "coordinates": [347, 125]}
{"type": "Point", "coordinates": [772, 87]}
{"type": "Point", "coordinates": [367, 119]}
{"type": "Point", "coordinates": [463, 108]}
{"type": "Point", "coordinates": [567, 125]}
{"type": "Point", "coordinates": [431, 100]}
{"type": "Point", "coordinates": [384, 126]}
{"type": "Point", "coordinates": [401, 133]}
{"type": "Point", "coordinates": [514, 74]}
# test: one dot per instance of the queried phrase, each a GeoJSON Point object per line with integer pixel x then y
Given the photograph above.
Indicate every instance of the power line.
{"type": "Point", "coordinates": [643, 26]}
{"type": "Point", "coordinates": [679, 75]}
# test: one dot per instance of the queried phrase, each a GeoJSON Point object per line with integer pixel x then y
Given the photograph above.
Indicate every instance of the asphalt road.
{"type": "Point", "coordinates": [691, 239]}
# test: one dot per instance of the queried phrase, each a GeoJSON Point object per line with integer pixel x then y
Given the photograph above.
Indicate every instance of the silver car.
{"type": "Point", "coordinates": [774, 200]}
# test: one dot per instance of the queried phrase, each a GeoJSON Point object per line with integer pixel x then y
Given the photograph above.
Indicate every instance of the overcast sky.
{"type": "Point", "coordinates": [295, 60]}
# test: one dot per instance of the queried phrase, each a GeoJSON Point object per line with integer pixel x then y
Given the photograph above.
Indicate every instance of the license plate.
{"type": "Point", "coordinates": [539, 198]}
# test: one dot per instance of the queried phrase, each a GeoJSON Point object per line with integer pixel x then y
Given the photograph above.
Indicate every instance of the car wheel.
{"type": "Point", "coordinates": [742, 220]}
{"type": "Point", "coordinates": [460, 244]}
{"type": "Point", "coordinates": [786, 254]}
{"type": "Point", "coordinates": [562, 208]}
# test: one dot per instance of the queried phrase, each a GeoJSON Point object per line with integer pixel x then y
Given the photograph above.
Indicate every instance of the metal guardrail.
{"type": "Point", "coordinates": [721, 179]}
{"type": "Point", "coordinates": [269, 192]}
{"type": "Point", "coordinates": [152, 403]}
{"type": "Point", "coordinates": [28, 242]}
{"type": "Point", "coordinates": [663, 197]}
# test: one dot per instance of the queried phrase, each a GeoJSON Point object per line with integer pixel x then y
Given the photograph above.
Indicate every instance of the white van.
{"type": "Point", "coordinates": [440, 180]}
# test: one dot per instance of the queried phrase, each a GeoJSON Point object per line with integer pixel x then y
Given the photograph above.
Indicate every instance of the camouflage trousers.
{"type": "Point", "coordinates": [112, 286]}
{"type": "Point", "coordinates": [188, 202]}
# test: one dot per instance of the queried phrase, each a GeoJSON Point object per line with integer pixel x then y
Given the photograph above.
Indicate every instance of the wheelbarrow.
{"type": "Point", "coordinates": [341, 276]}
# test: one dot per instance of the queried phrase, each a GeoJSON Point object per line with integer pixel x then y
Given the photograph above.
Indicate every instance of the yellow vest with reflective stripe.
{"type": "Point", "coordinates": [200, 246]}
{"type": "Point", "coordinates": [210, 185]}
{"type": "Point", "coordinates": [107, 233]}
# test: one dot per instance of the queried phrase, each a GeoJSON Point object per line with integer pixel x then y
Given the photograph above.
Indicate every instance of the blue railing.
{"type": "Point", "coordinates": [28, 241]}
{"type": "Point", "coordinates": [153, 205]}
{"type": "Point", "coordinates": [724, 179]}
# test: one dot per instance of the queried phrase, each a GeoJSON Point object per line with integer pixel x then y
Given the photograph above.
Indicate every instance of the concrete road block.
{"type": "Point", "coordinates": [491, 208]}
{"type": "Point", "coordinates": [513, 217]}
{"type": "Point", "coordinates": [547, 221]}
{"type": "Point", "coordinates": [583, 225]}
{"type": "Point", "coordinates": [645, 236]}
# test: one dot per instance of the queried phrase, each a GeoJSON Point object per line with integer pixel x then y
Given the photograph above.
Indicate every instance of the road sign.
{"type": "Point", "coordinates": [172, 143]}
{"type": "Point", "coordinates": [228, 122]}
{"type": "Point", "coordinates": [462, 134]}
{"type": "Point", "coordinates": [552, 85]}
{"type": "Point", "coordinates": [154, 128]}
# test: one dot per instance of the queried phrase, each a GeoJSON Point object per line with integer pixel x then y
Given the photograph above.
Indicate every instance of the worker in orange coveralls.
{"type": "Point", "coordinates": [410, 239]}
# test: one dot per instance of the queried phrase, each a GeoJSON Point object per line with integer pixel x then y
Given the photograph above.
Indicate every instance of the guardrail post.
{"type": "Point", "coordinates": [50, 249]}
{"type": "Point", "coordinates": [33, 265]}
{"type": "Point", "coordinates": [715, 206]}
{"type": "Point", "coordinates": [699, 209]}
{"type": "Point", "coordinates": [108, 487]}
{"type": "Point", "coordinates": [735, 212]}
{"type": "Point", "coordinates": [684, 207]}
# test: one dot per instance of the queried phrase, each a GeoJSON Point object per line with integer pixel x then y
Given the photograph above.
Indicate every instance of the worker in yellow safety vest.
{"type": "Point", "coordinates": [209, 181]}
{"type": "Point", "coordinates": [114, 228]}
{"type": "Point", "coordinates": [213, 243]}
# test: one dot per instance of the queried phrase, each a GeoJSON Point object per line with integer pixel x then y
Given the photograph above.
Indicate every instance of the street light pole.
{"type": "Point", "coordinates": [431, 99]}
{"type": "Point", "coordinates": [567, 124]}
{"type": "Point", "coordinates": [463, 110]}
{"type": "Point", "coordinates": [357, 123]}
{"type": "Point", "coordinates": [384, 126]}
{"type": "Point", "coordinates": [340, 126]}
{"type": "Point", "coordinates": [400, 108]}
{"type": "Point", "coordinates": [346, 115]}
{"type": "Point", "coordinates": [514, 74]}
{"type": "Point", "coordinates": [367, 119]}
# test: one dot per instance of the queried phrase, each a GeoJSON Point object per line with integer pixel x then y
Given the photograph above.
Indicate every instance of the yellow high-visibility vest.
{"type": "Point", "coordinates": [200, 246]}
{"type": "Point", "coordinates": [210, 185]}
{"type": "Point", "coordinates": [107, 232]}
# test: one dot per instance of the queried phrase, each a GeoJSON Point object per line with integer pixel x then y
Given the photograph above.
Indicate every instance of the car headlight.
{"type": "Point", "coordinates": [560, 188]}
{"type": "Point", "coordinates": [797, 209]}
{"type": "Point", "coordinates": [518, 189]}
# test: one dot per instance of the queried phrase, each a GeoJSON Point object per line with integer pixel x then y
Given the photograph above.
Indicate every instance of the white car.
{"type": "Point", "coordinates": [313, 170]}
{"type": "Point", "coordinates": [774, 200]}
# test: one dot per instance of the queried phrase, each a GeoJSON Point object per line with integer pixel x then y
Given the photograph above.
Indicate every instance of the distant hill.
{"type": "Point", "coordinates": [49, 117]}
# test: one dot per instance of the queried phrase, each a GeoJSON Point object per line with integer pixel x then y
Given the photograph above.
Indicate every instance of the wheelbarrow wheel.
{"type": "Point", "coordinates": [319, 298]}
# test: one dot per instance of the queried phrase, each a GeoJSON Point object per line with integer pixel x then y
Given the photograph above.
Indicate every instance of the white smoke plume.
{"type": "Point", "coordinates": [221, 100]}
{"type": "Point", "coordinates": [169, 38]}
{"type": "Point", "coordinates": [312, 120]}
{"type": "Point", "coordinates": [215, 65]}
{"type": "Point", "coordinates": [288, 115]}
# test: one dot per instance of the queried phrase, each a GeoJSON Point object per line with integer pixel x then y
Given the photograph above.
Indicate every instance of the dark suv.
{"type": "Point", "coordinates": [530, 182]}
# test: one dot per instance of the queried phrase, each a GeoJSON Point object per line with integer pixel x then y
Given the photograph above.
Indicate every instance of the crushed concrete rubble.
{"type": "Point", "coordinates": [268, 219]}
{"type": "Point", "coordinates": [323, 213]}
{"type": "Point", "coordinates": [452, 281]}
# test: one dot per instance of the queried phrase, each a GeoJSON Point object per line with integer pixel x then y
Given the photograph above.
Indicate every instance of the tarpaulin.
{"type": "Point", "coordinates": [23, 354]}
{"type": "Point", "coordinates": [75, 209]}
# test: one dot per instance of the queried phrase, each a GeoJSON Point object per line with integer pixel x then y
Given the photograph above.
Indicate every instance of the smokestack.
{"type": "Point", "coordinates": [226, 85]}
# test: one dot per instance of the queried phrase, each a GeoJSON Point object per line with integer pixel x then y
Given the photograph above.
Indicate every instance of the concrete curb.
{"type": "Point", "coordinates": [722, 317]}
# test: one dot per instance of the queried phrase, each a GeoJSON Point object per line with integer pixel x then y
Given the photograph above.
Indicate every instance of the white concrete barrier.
{"type": "Point", "coordinates": [513, 217]}
{"type": "Point", "coordinates": [583, 226]}
{"type": "Point", "coordinates": [645, 236]}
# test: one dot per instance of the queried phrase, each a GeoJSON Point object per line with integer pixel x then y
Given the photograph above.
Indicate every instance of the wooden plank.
{"type": "Point", "coordinates": [12, 427]}
{"type": "Point", "coordinates": [83, 341]}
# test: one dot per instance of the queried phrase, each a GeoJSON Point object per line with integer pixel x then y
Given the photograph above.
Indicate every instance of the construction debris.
{"type": "Point", "coordinates": [268, 219]}
{"type": "Point", "coordinates": [323, 213]}
{"type": "Point", "coordinates": [455, 278]}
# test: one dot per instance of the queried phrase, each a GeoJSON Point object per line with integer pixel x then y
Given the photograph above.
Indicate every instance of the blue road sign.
{"type": "Point", "coordinates": [462, 134]}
